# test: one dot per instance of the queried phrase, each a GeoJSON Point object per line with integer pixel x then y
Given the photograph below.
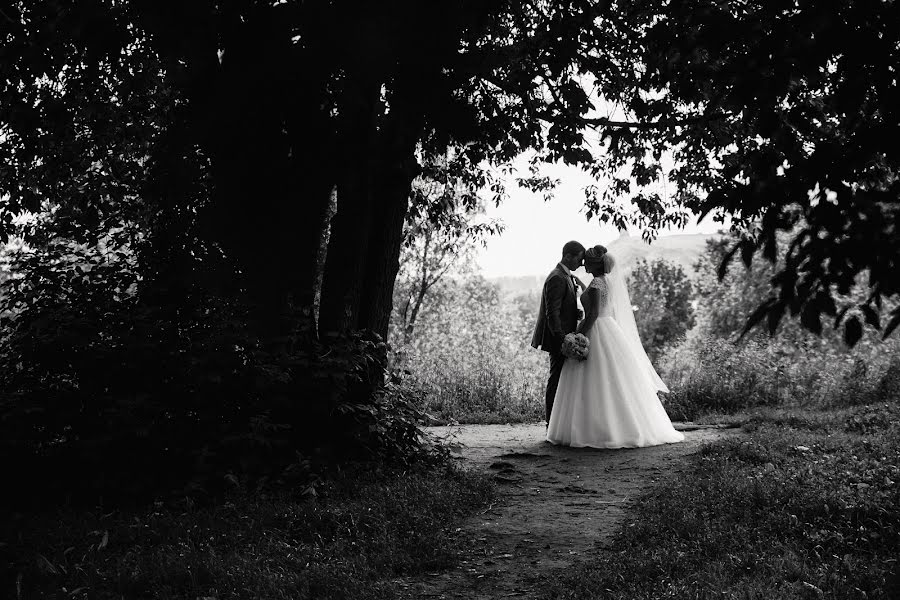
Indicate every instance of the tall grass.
{"type": "Point", "coordinates": [713, 375]}
{"type": "Point", "coordinates": [805, 506]}
{"type": "Point", "coordinates": [365, 527]}
{"type": "Point", "coordinates": [472, 362]}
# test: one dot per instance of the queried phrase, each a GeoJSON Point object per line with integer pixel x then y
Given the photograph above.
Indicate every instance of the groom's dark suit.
{"type": "Point", "coordinates": [558, 316]}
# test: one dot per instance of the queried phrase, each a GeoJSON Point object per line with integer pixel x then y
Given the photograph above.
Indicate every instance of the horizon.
{"type": "Point", "coordinates": [537, 230]}
{"type": "Point", "coordinates": [580, 270]}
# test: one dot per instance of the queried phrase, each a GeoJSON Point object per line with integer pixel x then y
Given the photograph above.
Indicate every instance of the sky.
{"type": "Point", "coordinates": [536, 230]}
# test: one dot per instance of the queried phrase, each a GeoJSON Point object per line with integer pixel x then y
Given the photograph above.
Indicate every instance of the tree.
{"type": "Point", "coordinates": [193, 151]}
{"type": "Point", "coordinates": [207, 141]}
{"type": "Point", "coordinates": [725, 303]}
{"type": "Point", "coordinates": [785, 118]}
{"type": "Point", "coordinates": [266, 108]}
{"type": "Point", "coordinates": [663, 295]}
{"type": "Point", "coordinates": [428, 258]}
{"type": "Point", "coordinates": [274, 102]}
{"type": "Point", "coordinates": [442, 229]}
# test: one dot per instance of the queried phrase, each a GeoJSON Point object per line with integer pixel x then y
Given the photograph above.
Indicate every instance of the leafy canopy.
{"type": "Point", "coordinates": [785, 117]}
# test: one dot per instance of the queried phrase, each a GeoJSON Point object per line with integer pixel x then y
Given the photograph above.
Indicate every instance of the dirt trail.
{"type": "Point", "coordinates": [555, 505]}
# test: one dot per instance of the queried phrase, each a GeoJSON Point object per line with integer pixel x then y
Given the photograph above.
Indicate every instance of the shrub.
{"type": "Point", "coordinates": [715, 370]}
{"type": "Point", "coordinates": [716, 375]}
{"type": "Point", "coordinates": [110, 388]}
{"type": "Point", "coordinates": [471, 360]}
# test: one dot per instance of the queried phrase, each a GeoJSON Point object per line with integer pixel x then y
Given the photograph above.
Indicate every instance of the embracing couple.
{"type": "Point", "coordinates": [602, 387]}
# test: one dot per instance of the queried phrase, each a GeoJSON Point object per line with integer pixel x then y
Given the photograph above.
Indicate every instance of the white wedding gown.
{"type": "Point", "coordinates": [609, 399]}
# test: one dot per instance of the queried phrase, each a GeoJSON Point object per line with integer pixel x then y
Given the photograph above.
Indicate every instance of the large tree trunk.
{"type": "Point", "coordinates": [257, 208]}
{"type": "Point", "coordinates": [270, 145]}
{"type": "Point", "coordinates": [312, 145]}
{"type": "Point", "coordinates": [349, 241]}
{"type": "Point", "coordinates": [397, 169]}
{"type": "Point", "coordinates": [345, 261]}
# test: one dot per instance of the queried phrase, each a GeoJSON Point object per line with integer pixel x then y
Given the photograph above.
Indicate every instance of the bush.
{"type": "Point", "coordinates": [110, 388]}
{"type": "Point", "coordinates": [715, 370]}
{"type": "Point", "coordinates": [717, 376]}
{"type": "Point", "coordinates": [471, 358]}
{"type": "Point", "coordinates": [714, 375]}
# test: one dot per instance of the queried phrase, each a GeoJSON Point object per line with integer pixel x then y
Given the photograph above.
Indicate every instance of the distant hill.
{"type": "Point", "coordinates": [681, 249]}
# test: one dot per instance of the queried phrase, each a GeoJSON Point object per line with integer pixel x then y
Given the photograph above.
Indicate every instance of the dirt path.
{"type": "Point", "coordinates": [555, 505]}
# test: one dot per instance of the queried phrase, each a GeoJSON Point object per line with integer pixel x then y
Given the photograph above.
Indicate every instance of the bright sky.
{"type": "Point", "coordinates": [536, 230]}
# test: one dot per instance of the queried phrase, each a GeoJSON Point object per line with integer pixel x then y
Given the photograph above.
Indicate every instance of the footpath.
{"type": "Point", "coordinates": [555, 506]}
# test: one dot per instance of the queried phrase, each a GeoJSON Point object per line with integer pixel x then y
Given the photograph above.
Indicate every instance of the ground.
{"type": "Point", "coordinates": [555, 505]}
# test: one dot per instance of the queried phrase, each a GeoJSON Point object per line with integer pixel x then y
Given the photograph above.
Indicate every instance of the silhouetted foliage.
{"type": "Point", "coordinates": [175, 165]}
{"type": "Point", "coordinates": [785, 118]}
{"type": "Point", "coordinates": [109, 391]}
{"type": "Point", "coordinates": [728, 300]}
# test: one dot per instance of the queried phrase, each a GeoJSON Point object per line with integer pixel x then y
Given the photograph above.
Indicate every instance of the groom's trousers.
{"type": "Point", "coordinates": [557, 360]}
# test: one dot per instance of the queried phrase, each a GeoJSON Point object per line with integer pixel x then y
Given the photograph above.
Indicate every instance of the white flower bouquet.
{"type": "Point", "coordinates": [576, 346]}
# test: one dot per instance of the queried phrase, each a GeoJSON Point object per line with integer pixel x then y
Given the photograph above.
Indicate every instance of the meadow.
{"type": "Point", "coordinates": [804, 504]}
{"type": "Point", "coordinates": [470, 360]}
{"type": "Point", "coordinates": [361, 529]}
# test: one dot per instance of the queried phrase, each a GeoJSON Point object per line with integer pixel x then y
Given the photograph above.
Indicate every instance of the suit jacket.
{"type": "Point", "coordinates": [558, 314]}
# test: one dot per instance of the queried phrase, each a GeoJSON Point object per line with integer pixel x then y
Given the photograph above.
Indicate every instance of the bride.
{"type": "Point", "coordinates": [609, 399]}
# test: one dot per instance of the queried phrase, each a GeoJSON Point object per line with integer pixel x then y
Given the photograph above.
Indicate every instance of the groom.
{"type": "Point", "coordinates": [558, 315]}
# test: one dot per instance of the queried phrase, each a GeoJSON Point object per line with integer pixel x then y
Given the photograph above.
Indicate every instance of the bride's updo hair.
{"type": "Point", "coordinates": [594, 258]}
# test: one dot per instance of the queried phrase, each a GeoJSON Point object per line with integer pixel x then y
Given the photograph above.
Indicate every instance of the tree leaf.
{"type": "Point", "coordinates": [723, 266]}
{"type": "Point", "coordinates": [774, 317]}
{"type": "Point", "coordinates": [852, 331]}
{"type": "Point", "coordinates": [826, 303]}
{"type": "Point", "coordinates": [758, 315]}
{"type": "Point", "coordinates": [810, 318]}
{"type": "Point", "coordinates": [840, 316]}
{"type": "Point", "coordinates": [892, 324]}
{"type": "Point", "coordinates": [748, 248]}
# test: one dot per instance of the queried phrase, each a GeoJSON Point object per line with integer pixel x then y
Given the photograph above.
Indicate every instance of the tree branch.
{"type": "Point", "coordinates": [662, 124]}
{"type": "Point", "coordinates": [438, 277]}
{"type": "Point", "coordinates": [548, 116]}
{"type": "Point", "coordinates": [7, 17]}
{"type": "Point", "coordinates": [486, 59]}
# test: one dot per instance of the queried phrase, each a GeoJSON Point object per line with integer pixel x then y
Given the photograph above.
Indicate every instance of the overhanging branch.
{"type": "Point", "coordinates": [554, 113]}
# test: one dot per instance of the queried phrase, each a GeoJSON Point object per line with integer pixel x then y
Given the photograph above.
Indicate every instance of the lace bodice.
{"type": "Point", "coordinates": [600, 284]}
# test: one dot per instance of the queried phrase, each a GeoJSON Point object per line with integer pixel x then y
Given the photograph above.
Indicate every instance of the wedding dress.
{"type": "Point", "coordinates": [609, 399]}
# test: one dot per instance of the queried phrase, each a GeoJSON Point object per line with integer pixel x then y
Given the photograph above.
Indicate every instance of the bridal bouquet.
{"type": "Point", "coordinates": [575, 345]}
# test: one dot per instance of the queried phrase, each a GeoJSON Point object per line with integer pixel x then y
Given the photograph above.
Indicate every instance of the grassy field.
{"type": "Point", "coordinates": [365, 527]}
{"type": "Point", "coordinates": [806, 505]}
